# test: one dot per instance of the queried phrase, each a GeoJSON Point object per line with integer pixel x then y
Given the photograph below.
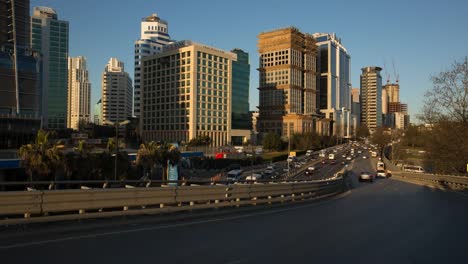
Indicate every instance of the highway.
{"type": "Point", "coordinates": [383, 222]}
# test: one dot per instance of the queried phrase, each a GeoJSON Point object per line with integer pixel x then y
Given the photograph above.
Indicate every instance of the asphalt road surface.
{"type": "Point", "coordinates": [382, 222]}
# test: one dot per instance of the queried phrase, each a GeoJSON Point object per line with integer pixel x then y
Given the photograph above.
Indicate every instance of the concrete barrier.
{"type": "Point", "coordinates": [54, 205]}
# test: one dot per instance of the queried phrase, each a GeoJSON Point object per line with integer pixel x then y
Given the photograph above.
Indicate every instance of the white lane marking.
{"type": "Point", "coordinates": [20, 245]}
{"type": "Point", "coordinates": [234, 262]}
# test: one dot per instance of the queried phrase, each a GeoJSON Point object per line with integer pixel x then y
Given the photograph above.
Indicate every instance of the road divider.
{"type": "Point", "coordinates": [21, 207]}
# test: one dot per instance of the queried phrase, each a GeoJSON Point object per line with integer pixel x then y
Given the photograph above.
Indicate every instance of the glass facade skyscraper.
{"type": "Point", "coordinates": [49, 36]}
{"type": "Point", "coordinates": [240, 91]}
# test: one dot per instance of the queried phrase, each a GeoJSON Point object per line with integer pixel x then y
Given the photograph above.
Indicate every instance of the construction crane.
{"type": "Point", "coordinates": [397, 76]}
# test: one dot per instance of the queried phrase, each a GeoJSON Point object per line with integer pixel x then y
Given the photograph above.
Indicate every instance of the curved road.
{"type": "Point", "coordinates": [383, 222]}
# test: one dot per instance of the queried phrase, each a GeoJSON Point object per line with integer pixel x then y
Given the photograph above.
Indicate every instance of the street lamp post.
{"type": "Point", "coordinates": [116, 124]}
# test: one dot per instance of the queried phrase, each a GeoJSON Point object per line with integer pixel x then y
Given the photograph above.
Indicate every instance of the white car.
{"type": "Point", "coordinates": [381, 173]}
{"type": "Point", "coordinates": [310, 170]}
{"type": "Point", "coordinates": [253, 177]}
{"type": "Point", "coordinates": [364, 157]}
{"type": "Point", "coordinates": [366, 176]}
{"type": "Point", "coordinates": [348, 158]}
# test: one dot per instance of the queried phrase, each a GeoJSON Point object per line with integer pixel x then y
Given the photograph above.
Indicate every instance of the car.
{"type": "Point", "coordinates": [343, 156]}
{"type": "Point", "coordinates": [381, 173]}
{"type": "Point", "coordinates": [359, 151]}
{"type": "Point", "coordinates": [253, 177]}
{"type": "Point", "coordinates": [364, 157]}
{"type": "Point", "coordinates": [310, 170]}
{"type": "Point", "coordinates": [349, 158]}
{"type": "Point", "coordinates": [366, 176]}
{"type": "Point", "coordinates": [297, 165]}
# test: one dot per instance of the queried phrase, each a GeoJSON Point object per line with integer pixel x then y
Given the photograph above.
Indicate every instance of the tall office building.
{"type": "Point", "coordinates": [356, 105]}
{"type": "Point", "coordinates": [384, 101]}
{"type": "Point", "coordinates": [117, 93]}
{"type": "Point", "coordinates": [20, 90]}
{"type": "Point", "coordinates": [287, 74]}
{"type": "Point", "coordinates": [79, 92]}
{"type": "Point", "coordinates": [334, 81]}
{"type": "Point", "coordinates": [49, 36]}
{"type": "Point", "coordinates": [19, 31]}
{"type": "Point", "coordinates": [154, 35]}
{"type": "Point", "coordinates": [187, 91]}
{"type": "Point", "coordinates": [97, 113]}
{"type": "Point", "coordinates": [371, 97]}
{"type": "Point", "coordinates": [240, 91]}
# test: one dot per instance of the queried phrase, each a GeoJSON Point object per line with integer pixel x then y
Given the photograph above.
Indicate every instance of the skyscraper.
{"type": "Point", "coordinates": [19, 30]}
{"type": "Point", "coordinates": [334, 81]}
{"type": "Point", "coordinates": [287, 82]}
{"type": "Point", "coordinates": [79, 92]}
{"type": "Point", "coordinates": [49, 36]}
{"type": "Point", "coordinates": [187, 91]}
{"type": "Point", "coordinates": [20, 91]}
{"type": "Point", "coordinates": [356, 105]}
{"type": "Point", "coordinates": [371, 97]}
{"type": "Point", "coordinates": [154, 35]}
{"type": "Point", "coordinates": [117, 92]}
{"type": "Point", "coordinates": [241, 119]}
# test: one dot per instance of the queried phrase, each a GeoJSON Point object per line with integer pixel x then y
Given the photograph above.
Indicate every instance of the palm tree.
{"type": "Point", "coordinates": [147, 157]}
{"type": "Point", "coordinates": [42, 157]}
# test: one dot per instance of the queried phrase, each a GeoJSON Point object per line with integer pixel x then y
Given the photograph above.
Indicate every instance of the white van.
{"type": "Point", "coordinates": [309, 153]}
{"type": "Point", "coordinates": [331, 156]}
{"type": "Point", "coordinates": [413, 168]}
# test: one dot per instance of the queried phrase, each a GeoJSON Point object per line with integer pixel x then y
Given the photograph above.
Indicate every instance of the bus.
{"type": "Point", "coordinates": [413, 168]}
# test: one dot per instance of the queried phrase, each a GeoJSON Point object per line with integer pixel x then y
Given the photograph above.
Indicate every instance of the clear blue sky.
{"type": "Point", "coordinates": [421, 37]}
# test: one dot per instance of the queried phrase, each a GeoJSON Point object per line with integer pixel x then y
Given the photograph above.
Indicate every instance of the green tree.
{"type": "Point", "coordinates": [41, 158]}
{"type": "Point", "coordinates": [362, 132]}
{"type": "Point", "coordinates": [200, 140]}
{"type": "Point", "coordinates": [381, 138]}
{"type": "Point", "coordinates": [272, 141]}
{"type": "Point", "coordinates": [446, 110]}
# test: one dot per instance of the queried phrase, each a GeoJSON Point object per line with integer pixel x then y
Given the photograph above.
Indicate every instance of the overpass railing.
{"type": "Point", "coordinates": [446, 182]}
{"type": "Point", "coordinates": [17, 207]}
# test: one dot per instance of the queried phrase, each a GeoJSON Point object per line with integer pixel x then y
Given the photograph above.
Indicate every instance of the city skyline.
{"type": "Point", "coordinates": [385, 42]}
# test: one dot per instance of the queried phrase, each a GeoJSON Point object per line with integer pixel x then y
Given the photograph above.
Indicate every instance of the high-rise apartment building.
{"type": "Point", "coordinates": [287, 83]}
{"type": "Point", "coordinates": [117, 93]}
{"type": "Point", "coordinates": [79, 92]}
{"type": "Point", "coordinates": [49, 36]}
{"type": "Point", "coordinates": [20, 92]}
{"type": "Point", "coordinates": [186, 91]}
{"type": "Point", "coordinates": [154, 35]}
{"type": "Point", "coordinates": [371, 97]}
{"type": "Point", "coordinates": [384, 101]}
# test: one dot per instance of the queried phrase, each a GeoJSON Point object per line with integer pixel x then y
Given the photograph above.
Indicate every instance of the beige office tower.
{"type": "Point", "coordinates": [393, 92]}
{"type": "Point", "coordinates": [79, 92]}
{"type": "Point", "coordinates": [287, 84]}
{"type": "Point", "coordinates": [384, 100]}
{"type": "Point", "coordinates": [371, 97]}
{"type": "Point", "coordinates": [186, 92]}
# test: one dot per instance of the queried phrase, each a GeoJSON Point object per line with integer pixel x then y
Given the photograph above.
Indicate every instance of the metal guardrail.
{"type": "Point", "coordinates": [20, 207]}
{"type": "Point", "coordinates": [447, 182]}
